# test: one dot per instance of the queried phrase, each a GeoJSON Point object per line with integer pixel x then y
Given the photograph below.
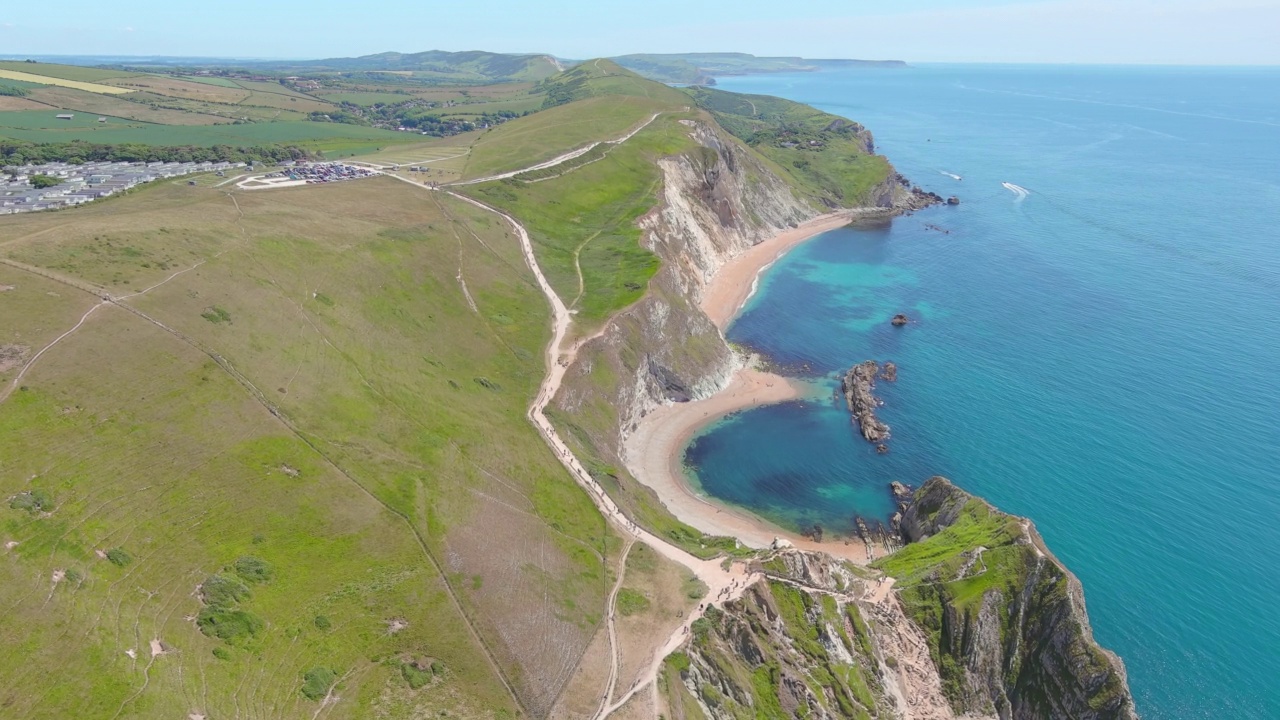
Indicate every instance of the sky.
{"type": "Point", "coordinates": [1190, 32]}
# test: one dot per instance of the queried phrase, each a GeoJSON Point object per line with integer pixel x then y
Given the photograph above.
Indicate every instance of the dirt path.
{"type": "Point", "coordinates": [612, 608]}
{"type": "Point", "coordinates": [560, 158]}
{"type": "Point", "coordinates": [723, 585]}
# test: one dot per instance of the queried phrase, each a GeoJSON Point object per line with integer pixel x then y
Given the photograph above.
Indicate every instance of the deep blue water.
{"type": "Point", "coordinates": [1102, 356]}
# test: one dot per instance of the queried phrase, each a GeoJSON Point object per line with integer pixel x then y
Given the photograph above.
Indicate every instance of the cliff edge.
{"type": "Point", "coordinates": [1005, 620]}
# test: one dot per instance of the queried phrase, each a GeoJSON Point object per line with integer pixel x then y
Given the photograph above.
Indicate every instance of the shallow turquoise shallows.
{"type": "Point", "coordinates": [1097, 347]}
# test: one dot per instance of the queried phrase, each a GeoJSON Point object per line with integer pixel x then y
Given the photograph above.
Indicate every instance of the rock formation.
{"type": "Point", "coordinates": [889, 373]}
{"type": "Point", "coordinates": [899, 320]}
{"type": "Point", "coordinates": [953, 200]}
{"type": "Point", "coordinates": [1014, 640]}
{"type": "Point", "coordinates": [857, 386]}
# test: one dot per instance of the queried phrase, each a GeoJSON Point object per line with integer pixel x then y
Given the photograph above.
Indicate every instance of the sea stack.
{"type": "Point", "coordinates": [857, 386]}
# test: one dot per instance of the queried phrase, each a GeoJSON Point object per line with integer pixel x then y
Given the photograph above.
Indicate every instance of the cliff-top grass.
{"type": "Point", "coordinates": [340, 392]}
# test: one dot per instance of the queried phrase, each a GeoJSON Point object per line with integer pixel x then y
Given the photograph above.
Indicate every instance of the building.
{"type": "Point", "coordinates": [65, 116]}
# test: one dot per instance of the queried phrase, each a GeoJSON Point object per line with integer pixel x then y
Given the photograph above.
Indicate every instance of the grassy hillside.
{"type": "Point", "coordinates": [583, 216]}
{"type": "Point", "coordinates": [340, 393]}
{"type": "Point", "coordinates": [337, 114]}
{"type": "Point", "coordinates": [295, 453]}
{"type": "Point", "coordinates": [829, 157]}
{"type": "Point", "coordinates": [436, 65]}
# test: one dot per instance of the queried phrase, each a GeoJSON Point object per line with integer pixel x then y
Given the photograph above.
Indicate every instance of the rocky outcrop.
{"type": "Point", "coordinates": [857, 387]}
{"type": "Point", "coordinates": [1017, 643]}
{"type": "Point", "coordinates": [889, 373]}
{"type": "Point", "coordinates": [902, 196]}
{"type": "Point", "coordinates": [899, 320]}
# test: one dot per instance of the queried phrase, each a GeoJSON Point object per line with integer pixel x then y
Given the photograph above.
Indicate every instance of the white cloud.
{"type": "Point", "coordinates": [128, 28]}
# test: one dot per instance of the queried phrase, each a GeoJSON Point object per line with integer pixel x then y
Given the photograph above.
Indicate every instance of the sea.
{"type": "Point", "coordinates": [1095, 344]}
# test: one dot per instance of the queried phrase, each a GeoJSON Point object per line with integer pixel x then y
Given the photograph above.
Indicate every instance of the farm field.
{"type": "Point", "coordinates": [47, 80]}
{"type": "Point", "coordinates": [136, 107]}
{"type": "Point", "coordinates": [341, 397]}
{"type": "Point", "coordinates": [341, 140]}
{"type": "Point", "coordinates": [63, 72]}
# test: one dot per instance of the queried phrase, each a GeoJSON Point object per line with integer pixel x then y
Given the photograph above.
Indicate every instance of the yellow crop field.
{"type": "Point", "coordinates": [46, 80]}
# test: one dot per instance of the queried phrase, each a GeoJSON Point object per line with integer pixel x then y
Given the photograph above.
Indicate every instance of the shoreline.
{"type": "Point", "coordinates": [736, 281]}
{"type": "Point", "coordinates": [654, 451]}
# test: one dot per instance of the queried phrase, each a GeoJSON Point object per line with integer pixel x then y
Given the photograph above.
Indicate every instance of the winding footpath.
{"type": "Point", "coordinates": [559, 159]}
{"type": "Point", "coordinates": [723, 585]}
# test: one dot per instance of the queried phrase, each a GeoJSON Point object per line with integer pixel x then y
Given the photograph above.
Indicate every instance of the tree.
{"type": "Point", "coordinates": [44, 181]}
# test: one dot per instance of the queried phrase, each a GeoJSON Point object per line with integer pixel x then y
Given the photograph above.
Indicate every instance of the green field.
{"type": "Point", "coordinates": [333, 138]}
{"type": "Point", "coordinates": [211, 80]}
{"type": "Point", "coordinates": [64, 72]}
{"type": "Point", "coordinates": [367, 98]}
{"type": "Point", "coordinates": [398, 415]}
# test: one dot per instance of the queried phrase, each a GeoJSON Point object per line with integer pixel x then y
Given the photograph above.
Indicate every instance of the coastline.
{"type": "Point", "coordinates": [735, 282]}
{"type": "Point", "coordinates": [654, 451]}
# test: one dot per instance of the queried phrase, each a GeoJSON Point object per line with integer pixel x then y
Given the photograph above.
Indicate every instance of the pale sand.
{"type": "Point", "coordinates": [734, 283]}
{"type": "Point", "coordinates": [654, 451]}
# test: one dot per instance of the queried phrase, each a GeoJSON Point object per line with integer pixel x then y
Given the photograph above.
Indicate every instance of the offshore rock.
{"type": "Point", "coordinates": [857, 386]}
{"type": "Point", "coordinates": [899, 320]}
{"type": "Point", "coordinates": [953, 200]}
{"type": "Point", "coordinates": [889, 373]}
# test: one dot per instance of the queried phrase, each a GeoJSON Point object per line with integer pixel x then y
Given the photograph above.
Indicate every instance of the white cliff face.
{"type": "Point", "coordinates": [717, 201]}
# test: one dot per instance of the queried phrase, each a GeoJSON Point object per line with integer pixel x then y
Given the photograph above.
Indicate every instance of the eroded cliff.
{"type": "Point", "coordinates": [1006, 621]}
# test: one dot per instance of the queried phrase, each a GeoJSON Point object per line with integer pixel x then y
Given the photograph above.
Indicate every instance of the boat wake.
{"type": "Point", "coordinates": [953, 176]}
{"type": "Point", "coordinates": [1020, 192]}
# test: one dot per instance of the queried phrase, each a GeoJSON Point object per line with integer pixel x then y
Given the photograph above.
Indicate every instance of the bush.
{"type": "Point", "coordinates": [222, 653]}
{"type": "Point", "coordinates": [322, 622]}
{"type": "Point", "coordinates": [228, 624]}
{"type": "Point", "coordinates": [254, 570]}
{"type": "Point", "coordinates": [216, 315]}
{"type": "Point", "coordinates": [316, 683]}
{"type": "Point", "coordinates": [32, 501]}
{"type": "Point", "coordinates": [119, 557]}
{"type": "Point", "coordinates": [415, 675]}
{"type": "Point", "coordinates": [40, 182]}
{"type": "Point", "coordinates": [222, 591]}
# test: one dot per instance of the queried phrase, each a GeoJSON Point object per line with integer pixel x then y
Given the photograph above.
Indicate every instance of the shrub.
{"type": "Point", "coordinates": [222, 591]}
{"type": "Point", "coordinates": [32, 501]}
{"type": "Point", "coordinates": [119, 557]}
{"type": "Point", "coordinates": [415, 674]}
{"type": "Point", "coordinates": [254, 570]}
{"type": "Point", "coordinates": [316, 683]}
{"type": "Point", "coordinates": [222, 653]}
{"type": "Point", "coordinates": [228, 624]}
{"type": "Point", "coordinates": [322, 622]}
{"type": "Point", "coordinates": [216, 315]}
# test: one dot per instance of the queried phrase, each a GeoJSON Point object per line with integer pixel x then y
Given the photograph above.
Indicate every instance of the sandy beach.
{"type": "Point", "coordinates": [734, 283]}
{"type": "Point", "coordinates": [654, 451]}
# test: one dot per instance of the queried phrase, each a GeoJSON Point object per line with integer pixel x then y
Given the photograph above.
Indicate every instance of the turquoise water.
{"type": "Point", "coordinates": [1102, 355]}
